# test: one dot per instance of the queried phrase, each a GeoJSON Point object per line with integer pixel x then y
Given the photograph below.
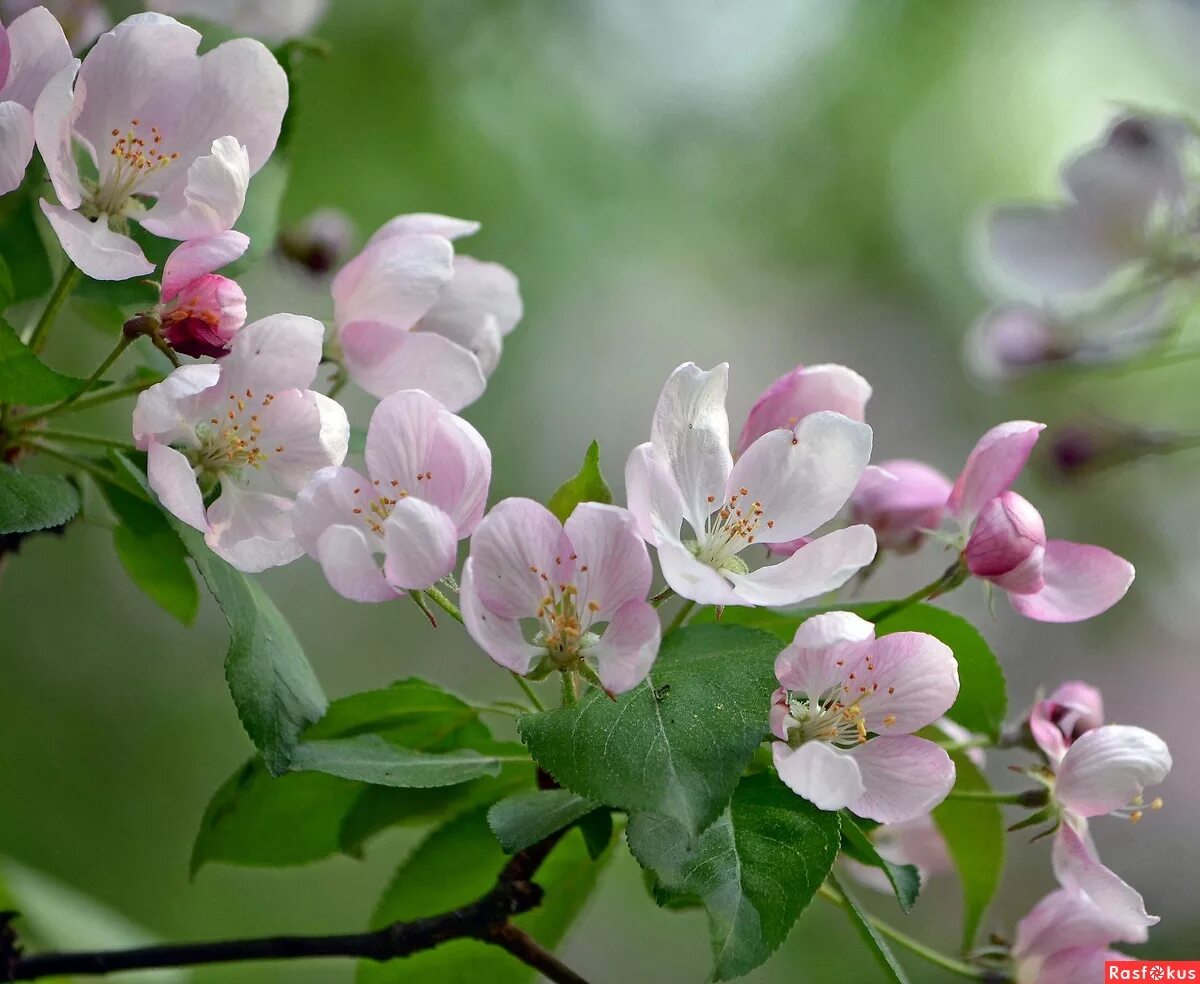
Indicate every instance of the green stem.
{"type": "Point", "coordinates": [680, 616]}
{"type": "Point", "coordinates": [951, 578]}
{"type": "Point", "coordinates": [663, 595]}
{"type": "Point", "coordinates": [444, 603]}
{"type": "Point", "coordinates": [83, 464]}
{"type": "Point", "coordinates": [94, 378]}
{"type": "Point", "coordinates": [62, 290]}
{"type": "Point", "coordinates": [73, 437]}
{"type": "Point", "coordinates": [87, 402]}
{"type": "Point", "coordinates": [528, 691]}
{"type": "Point", "coordinates": [570, 696]}
{"type": "Point", "coordinates": [991, 796]}
{"type": "Point", "coordinates": [935, 957]}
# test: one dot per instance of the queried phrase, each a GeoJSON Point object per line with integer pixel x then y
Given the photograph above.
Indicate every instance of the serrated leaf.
{"type": "Point", "coordinates": [597, 829]}
{"type": "Point", "coordinates": [24, 378]}
{"type": "Point", "coordinates": [876, 944]}
{"type": "Point", "coordinates": [34, 502]}
{"type": "Point", "coordinates": [677, 751]}
{"type": "Point", "coordinates": [754, 869]}
{"type": "Point", "coordinates": [974, 833]}
{"type": "Point", "coordinates": [457, 864]}
{"type": "Point", "coordinates": [526, 818]}
{"type": "Point", "coordinates": [587, 486]}
{"type": "Point", "coordinates": [904, 878]}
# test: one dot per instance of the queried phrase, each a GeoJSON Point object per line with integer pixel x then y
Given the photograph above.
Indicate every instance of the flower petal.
{"type": "Point", "coordinates": [191, 260]}
{"type": "Point", "coordinates": [329, 499]}
{"type": "Point", "coordinates": [1081, 581]}
{"type": "Point", "coordinates": [1107, 768]}
{"type": "Point", "coordinates": [911, 680]}
{"type": "Point", "coordinates": [690, 435]}
{"type": "Point", "coordinates": [1079, 870]}
{"type": "Point", "coordinates": [612, 566]}
{"type": "Point", "coordinates": [167, 412]}
{"type": "Point", "coordinates": [823, 651]}
{"type": "Point", "coordinates": [53, 116]}
{"type": "Point", "coordinates": [801, 479]}
{"type": "Point", "coordinates": [654, 498]}
{"type": "Point", "coordinates": [251, 530]}
{"type": "Point", "coordinates": [350, 566]}
{"type": "Point", "coordinates": [826, 563]}
{"type": "Point", "coordinates": [1074, 709]}
{"type": "Point", "coordinates": [395, 281]}
{"type": "Point", "coordinates": [34, 51]}
{"type": "Point", "coordinates": [16, 144]}
{"type": "Point", "coordinates": [420, 545]}
{"type": "Point", "coordinates": [98, 251]}
{"type": "Point", "coordinates": [1062, 920]}
{"type": "Point", "coordinates": [825, 776]}
{"type": "Point", "coordinates": [993, 465]}
{"type": "Point", "coordinates": [383, 358]}
{"type": "Point", "coordinates": [171, 477]}
{"type": "Point", "coordinates": [689, 578]}
{"type": "Point", "coordinates": [898, 500]}
{"type": "Point", "coordinates": [805, 390]}
{"type": "Point", "coordinates": [497, 636]}
{"type": "Point", "coordinates": [302, 432]}
{"type": "Point", "coordinates": [628, 647]}
{"type": "Point", "coordinates": [516, 550]}
{"type": "Point", "coordinates": [424, 224]}
{"type": "Point", "coordinates": [273, 354]}
{"type": "Point", "coordinates": [480, 301]}
{"type": "Point", "coordinates": [903, 777]}
{"type": "Point", "coordinates": [209, 201]}
{"type": "Point", "coordinates": [1082, 963]}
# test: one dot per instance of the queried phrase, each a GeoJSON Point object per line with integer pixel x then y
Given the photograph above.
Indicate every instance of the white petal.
{"type": "Point", "coordinates": [654, 498]}
{"type": "Point", "coordinates": [394, 282]}
{"type": "Point", "coordinates": [209, 201]}
{"type": "Point", "coordinates": [329, 499]}
{"type": "Point", "coordinates": [37, 51]}
{"type": "Point", "coordinates": [273, 354]}
{"type": "Point", "coordinates": [612, 566]}
{"type": "Point", "coordinates": [1079, 869]}
{"type": "Point", "coordinates": [1108, 767]}
{"type": "Point", "coordinates": [383, 358]}
{"type": "Point", "coordinates": [191, 260]}
{"type": "Point", "coordinates": [174, 482]}
{"type": "Point", "coordinates": [252, 530]}
{"type": "Point", "coordinates": [350, 566]}
{"type": "Point", "coordinates": [424, 223]}
{"type": "Point", "coordinates": [53, 116]}
{"type": "Point", "coordinates": [420, 545]}
{"type": "Point", "coordinates": [825, 776]}
{"type": "Point", "coordinates": [167, 412]}
{"type": "Point", "coordinates": [98, 251]}
{"type": "Point", "coordinates": [302, 432]}
{"type": "Point", "coordinates": [689, 578]}
{"type": "Point", "coordinates": [628, 647]}
{"type": "Point", "coordinates": [825, 563]}
{"type": "Point", "coordinates": [498, 636]}
{"type": "Point", "coordinates": [16, 144]}
{"type": "Point", "coordinates": [903, 778]}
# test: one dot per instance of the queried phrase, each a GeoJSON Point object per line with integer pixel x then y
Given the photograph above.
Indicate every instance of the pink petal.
{"type": "Point", "coordinates": [823, 651]}
{"type": "Point", "coordinates": [689, 578]}
{"type": "Point", "coordinates": [1079, 870]}
{"type": "Point", "coordinates": [499, 637]}
{"type": "Point", "coordinates": [394, 282]}
{"type": "Point", "coordinates": [16, 144]}
{"type": "Point", "coordinates": [826, 563]}
{"type": "Point", "coordinates": [1084, 963]}
{"type": "Point", "coordinates": [612, 566]}
{"type": "Point", "coordinates": [329, 499]}
{"type": "Point", "coordinates": [481, 300]}
{"type": "Point", "coordinates": [382, 359]}
{"type": "Point", "coordinates": [911, 680]}
{"type": "Point", "coordinates": [1108, 768]}
{"type": "Point", "coordinates": [251, 530]}
{"type": "Point", "coordinates": [1013, 339]}
{"type": "Point", "coordinates": [1063, 920]}
{"type": "Point", "coordinates": [98, 251]}
{"type": "Point", "coordinates": [424, 224]}
{"type": "Point", "coordinates": [211, 198]}
{"type": "Point", "coordinates": [899, 499]}
{"type": "Point", "coordinates": [1007, 544]}
{"type": "Point", "coordinates": [167, 412]}
{"type": "Point", "coordinates": [903, 777]}
{"type": "Point", "coordinates": [32, 52]}
{"type": "Point", "coordinates": [1081, 582]}
{"type": "Point", "coordinates": [517, 551]}
{"type": "Point", "coordinates": [420, 545]}
{"type": "Point", "coordinates": [302, 432]}
{"type": "Point", "coordinates": [191, 260]}
{"type": "Point", "coordinates": [654, 498]}
{"type": "Point", "coordinates": [53, 116]}
{"type": "Point", "coordinates": [801, 479]}
{"type": "Point", "coordinates": [796, 394]}
{"type": "Point", "coordinates": [1070, 712]}
{"type": "Point", "coordinates": [993, 465]}
{"type": "Point", "coordinates": [827, 777]}
{"type": "Point", "coordinates": [628, 646]}
{"type": "Point", "coordinates": [171, 477]}
{"type": "Point", "coordinates": [273, 354]}
{"type": "Point", "coordinates": [271, 20]}
{"type": "Point", "coordinates": [345, 555]}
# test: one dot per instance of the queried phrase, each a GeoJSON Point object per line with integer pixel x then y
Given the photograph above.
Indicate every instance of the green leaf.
{"type": "Point", "coordinates": [7, 291]}
{"type": "Point", "coordinates": [24, 378]}
{"type": "Point", "coordinates": [369, 758]}
{"type": "Point", "coordinates": [876, 945]}
{"type": "Point", "coordinates": [153, 555]}
{"type": "Point", "coordinates": [904, 878]}
{"type": "Point", "coordinates": [587, 486]}
{"type": "Point", "coordinates": [34, 502]}
{"type": "Point", "coordinates": [527, 818]}
{"type": "Point", "coordinates": [597, 830]}
{"type": "Point", "coordinates": [21, 246]}
{"type": "Point", "coordinates": [457, 864]}
{"type": "Point", "coordinates": [676, 751]}
{"type": "Point", "coordinates": [974, 833]}
{"type": "Point", "coordinates": [754, 870]}
{"type": "Point", "coordinates": [274, 688]}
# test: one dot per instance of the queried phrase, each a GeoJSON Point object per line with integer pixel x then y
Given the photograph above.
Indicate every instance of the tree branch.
{"type": "Point", "coordinates": [486, 919]}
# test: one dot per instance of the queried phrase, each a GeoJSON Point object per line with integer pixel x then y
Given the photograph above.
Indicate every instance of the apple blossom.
{"type": "Point", "coordinates": [583, 583]}
{"type": "Point", "coordinates": [410, 313]}
{"type": "Point", "coordinates": [1064, 940]}
{"type": "Point", "coordinates": [427, 487]}
{"type": "Point", "coordinates": [199, 310]}
{"type": "Point", "coordinates": [82, 21]}
{"type": "Point", "coordinates": [1046, 580]}
{"type": "Point", "coordinates": [158, 121]}
{"type": "Point", "coordinates": [250, 423]}
{"type": "Point", "coordinates": [845, 712]}
{"type": "Point", "coordinates": [804, 390]}
{"type": "Point", "coordinates": [900, 500]}
{"type": "Point", "coordinates": [271, 20]}
{"type": "Point", "coordinates": [785, 485]}
{"type": "Point", "coordinates": [1074, 709]}
{"type": "Point", "coordinates": [32, 51]}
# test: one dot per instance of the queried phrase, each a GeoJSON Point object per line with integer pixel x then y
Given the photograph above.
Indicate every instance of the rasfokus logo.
{"type": "Point", "coordinates": [1152, 970]}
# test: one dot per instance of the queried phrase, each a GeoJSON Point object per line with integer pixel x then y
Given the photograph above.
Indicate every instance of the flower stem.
{"type": "Point", "coordinates": [87, 402]}
{"type": "Point", "coordinates": [680, 616]}
{"type": "Point", "coordinates": [1030, 797]}
{"type": "Point", "coordinates": [94, 378]}
{"type": "Point", "coordinates": [663, 595]}
{"type": "Point", "coordinates": [951, 578]}
{"type": "Point", "coordinates": [528, 691]}
{"type": "Point", "coordinates": [444, 603]}
{"type": "Point", "coordinates": [570, 696]}
{"type": "Point", "coordinates": [62, 290]}
{"type": "Point", "coordinates": [935, 957]}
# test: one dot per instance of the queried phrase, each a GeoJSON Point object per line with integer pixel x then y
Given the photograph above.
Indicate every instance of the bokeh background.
{"type": "Point", "coordinates": [765, 182]}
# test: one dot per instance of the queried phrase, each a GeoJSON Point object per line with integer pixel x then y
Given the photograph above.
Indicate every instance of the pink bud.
{"type": "Point", "coordinates": [899, 500]}
{"type": "Point", "coordinates": [1070, 712]}
{"type": "Point", "coordinates": [1007, 544]}
{"type": "Point", "coordinates": [204, 316]}
{"type": "Point", "coordinates": [803, 391]}
{"type": "Point", "coordinates": [1015, 339]}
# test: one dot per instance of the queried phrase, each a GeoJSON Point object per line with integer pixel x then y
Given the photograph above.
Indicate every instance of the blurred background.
{"type": "Point", "coordinates": [765, 182]}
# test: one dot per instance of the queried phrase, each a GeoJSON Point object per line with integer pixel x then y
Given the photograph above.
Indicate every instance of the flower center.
{"type": "Point", "coordinates": [564, 617]}
{"type": "Point", "coordinates": [730, 529]}
{"type": "Point", "coordinates": [230, 443]}
{"type": "Point", "coordinates": [827, 719]}
{"type": "Point", "coordinates": [374, 511]}
{"type": "Point", "coordinates": [136, 154]}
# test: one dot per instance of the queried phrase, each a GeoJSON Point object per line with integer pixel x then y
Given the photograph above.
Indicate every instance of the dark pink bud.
{"type": "Point", "coordinates": [204, 316]}
{"type": "Point", "coordinates": [1007, 544]}
{"type": "Point", "coordinates": [899, 500]}
{"type": "Point", "coordinates": [1070, 712]}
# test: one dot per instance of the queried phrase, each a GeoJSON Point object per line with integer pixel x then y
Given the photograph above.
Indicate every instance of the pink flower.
{"type": "Point", "coordinates": [201, 311]}
{"type": "Point", "coordinates": [899, 500]}
{"type": "Point", "coordinates": [570, 579]}
{"type": "Point", "coordinates": [410, 314]}
{"type": "Point", "coordinates": [796, 394]}
{"type": "Point", "coordinates": [32, 51]}
{"type": "Point", "coordinates": [1046, 580]}
{"type": "Point", "coordinates": [785, 485]}
{"type": "Point", "coordinates": [250, 423]}
{"type": "Point", "coordinates": [429, 474]}
{"type": "Point", "coordinates": [1070, 712]}
{"type": "Point", "coordinates": [271, 20]}
{"type": "Point", "coordinates": [845, 712]}
{"type": "Point", "coordinates": [917, 842]}
{"type": "Point", "coordinates": [159, 122]}
{"type": "Point", "coordinates": [1105, 771]}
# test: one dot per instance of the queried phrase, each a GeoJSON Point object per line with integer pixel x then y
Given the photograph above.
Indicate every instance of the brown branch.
{"type": "Point", "coordinates": [486, 919]}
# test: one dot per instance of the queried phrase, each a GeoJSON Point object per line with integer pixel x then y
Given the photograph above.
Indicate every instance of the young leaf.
{"type": "Point", "coordinates": [371, 759]}
{"type": "Point", "coordinates": [754, 870]}
{"type": "Point", "coordinates": [904, 879]}
{"type": "Point", "coordinates": [876, 945]}
{"type": "Point", "coordinates": [457, 864]}
{"type": "Point", "coordinates": [24, 378]}
{"type": "Point", "coordinates": [527, 818]}
{"type": "Point", "coordinates": [34, 502]}
{"type": "Point", "coordinates": [587, 486]}
{"type": "Point", "coordinates": [682, 749]}
{"type": "Point", "coordinates": [974, 832]}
